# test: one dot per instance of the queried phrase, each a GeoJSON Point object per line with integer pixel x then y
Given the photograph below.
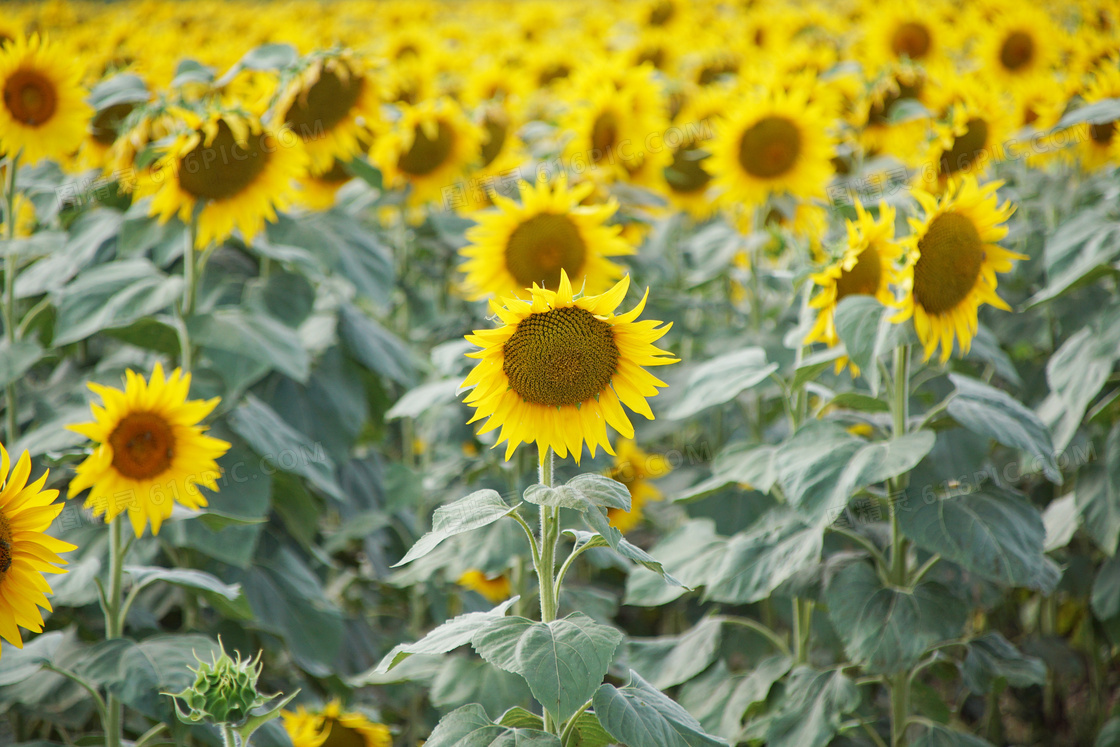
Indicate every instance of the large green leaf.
{"type": "Point", "coordinates": [936, 735]}
{"type": "Point", "coordinates": [16, 358]}
{"type": "Point", "coordinates": [991, 532]}
{"type": "Point", "coordinates": [227, 597]}
{"type": "Point", "coordinates": [1106, 589]}
{"type": "Point", "coordinates": [468, 679]}
{"type": "Point", "coordinates": [455, 632]}
{"type": "Point", "coordinates": [1061, 519]}
{"type": "Point", "coordinates": [887, 629]}
{"type": "Point", "coordinates": [415, 402]}
{"type": "Point", "coordinates": [640, 714]}
{"type": "Point", "coordinates": [563, 661]}
{"type": "Point", "coordinates": [720, 380]}
{"type": "Point", "coordinates": [823, 465]}
{"type": "Point", "coordinates": [17, 664]}
{"type": "Point", "coordinates": [1076, 372]}
{"type": "Point", "coordinates": [689, 553]}
{"type": "Point", "coordinates": [739, 462]}
{"type": "Point", "coordinates": [479, 509]}
{"type": "Point", "coordinates": [811, 712]}
{"type": "Point", "coordinates": [87, 234]}
{"type": "Point", "coordinates": [669, 660]}
{"type": "Point", "coordinates": [469, 726]}
{"type": "Point", "coordinates": [375, 347]}
{"type": "Point", "coordinates": [1098, 495]}
{"type": "Point", "coordinates": [1077, 250]}
{"type": "Point", "coordinates": [863, 325]}
{"type": "Point", "coordinates": [114, 294]}
{"type": "Point", "coordinates": [252, 335]}
{"type": "Point", "coordinates": [581, 493]}
{"type": "Point", "coordinates": [760, 559]}
{"type": "Point", "coordinates": [989, 412]}
{"type": "Point", "coordinates": [992, 656]}
{"type": "Point", "coordinates": [597, 519]}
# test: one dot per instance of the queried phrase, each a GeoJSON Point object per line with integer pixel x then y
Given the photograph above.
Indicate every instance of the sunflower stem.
{"type": "Point", "coordinates": [546, 568]}
{"type": "Point", "coordinates": [114, 625]}
{"type": "Point", "coordinates": [190, 292]}
{"type": "Point", "coordinates": [899, 573]}
{"type": "Point", "coordinates": [11, 408]}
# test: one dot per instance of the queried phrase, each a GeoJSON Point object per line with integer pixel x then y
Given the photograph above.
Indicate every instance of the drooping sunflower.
{"type": "Point", "coordinates": [634, 468]}
{"type": "Point", "coordinates": [493, 588]}
{"type": "Point", "coordinates": [26, 551]}
{"type": "Point", "coordinates": [151, 451]}
{"type": "Point", "coordinates": [241, 171]}
{"type": "Point", "coordinates": [776, 141]}
{"type": "Point", "coordinates": [561, 366]}
{"type": "Point", "coordinates": [330, 106]}
{"type": "Point", "coordinates": [333, 727]}
{"type": "Point", "coordinates": [549, 232]}
{"type": "Point", "coordinates": [43, 113]}
{"type": "Point", "coordinates": [867, 267]}
{"type": "Point", "coordinates": [951, 263]}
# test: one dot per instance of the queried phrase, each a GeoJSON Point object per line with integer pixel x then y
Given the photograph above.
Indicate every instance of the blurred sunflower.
{"type": "Point", "coordinates": [1098, 144]}
{"type": "Point", "coordinates": [26, 551]}
{"type": "Point", "coordinates": [899, 31]}
{"type": "Point", "coordinates": [775, 142]}
{"type": "Point", "coordinates": [493, 588]}
{"type": "Point", "coordinates": [333, 727]}
{"type": "Point", "coordinates": [867, 267]}
{"type": "Point", "coordinates": [318, 189]}
{"type": "Point", "coordinates": [634, 468]}
{"type": "Point", "coordinates": [877, 119]}
{"type": "Point", "coordinates": [560, 367]}
{"type": "Point", "coordinates": [151, 451]}
{"type": "Point", "coordinates": [687, 178]}
{"type": "Point", "coordinates": [25, 218]}
{"type": "Point", "coordinates": [951, 263]}
{"type": "Point", "coordinates": [330, 105]}
{"type": "Point", "coordinates": [43, 113]}
{"type": "Point", "coordinates": [1023, 40]}
{"type": "Point", "coordinates": [108, 123]}
{"type": "Point", "coordinates": [971, 136]}
{"type": "Point", "coordinates": [548, 233]}
{"type": "Point", "coordinates": [501, 152]}
{"type": "Point", "coordinates": [241, 172]}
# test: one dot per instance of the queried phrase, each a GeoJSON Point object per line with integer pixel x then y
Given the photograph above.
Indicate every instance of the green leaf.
{"type": "Point", "coordinates": [991, 532]}
{"type": "Point", "coordinates": [1098, 496]}
{"type": "Point", "coordinates": [720, 380]}
{"type": "Point", "coordinates": [689, 553]}
{"type": "Point", "coordinates": [1098, 112]}
{"type": "Point", "coordinates": [122, 88]}
{"type": "Point", "coordinates": [863, 325]}
{"type": "Point", "coordinates": [887, 629]}
{"type": "Point", "coordinates": [469, 726]}
{"type": "Point", "coordinates": [669, 660]}
{"type": "Point", "coordinates": [18, 664]}
{"type": "Point", "coordinates": [589, 732]}
{"type": "Point", "coordinates": [1061, 520]}
{"type": "Point", "coordinates": [479, 509]}
{"type": "Point", "coordinates": [225, 597]}
{"type": "Point", "coordinates": [252, 335]}
{"type": "Point", "coordinates": [989, 412]}
{"type": "Point", "coordinates": [640, 714]}
{"type": "Point", "coordinates": [468, 679]}
{"type": "Point", "coordinates": [563, 661]}
{"type": "Point", "coordinates": [114, 294]}
{"type": "Point", "coordinates": [740, 462]}
{"type": "Point", "coordinates": [17, 358]}
{"type": "Point", "coordinates": [1109, 735]}
{"type": "Point", "coordinates": [1106, 589]}
{"type": "Point", "coordinates": [519, 718]}
{"type": "Point", "coordinates": [581, 493]}
{"type": "Point", "coordinates": [935, 735]}
{"type": "Point", "coordinates": [1076, 372]}
{"type": "Point", "coordinates": [190, 71]}
{"type": "Point", "coordinates": [597, 519]}
{"type": "Point", "coordinates": [375, 347]}
{"type": "Point", "coordinates": [823, 465]}
{"type": "Point", "coordinates": [89, 232]}
{"type": "Point", "coordinates": [1077, 251]}
{"type": "Point", "coordinates": [859, 402]}
{"type": "Point", "coordinates": [814, 703]}
{"type": "Point", "coordinates": [992, 656]}
{"type": "Point", "coordinates": [762, 558]}
{"type": "Point", "coordinates": [415, 402]}
{"type": "Point", "coordinates": [267, 57]}
{"type": "Point", "coordinates": [456, 632]}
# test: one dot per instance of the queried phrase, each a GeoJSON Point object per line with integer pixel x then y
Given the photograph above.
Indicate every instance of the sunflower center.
{"type": "Point", "coordinates": [877, 114]}
{"type": "Point", "coordinates": [713, 71]}
{"type": "Point", "coordinates": [427, 154]}
{"type": "Point", "coordinates": [30, 97]}
{"type": "Point", "coordinates": [911, 39]}
{"type": "Point", "coordinates": [555, 71]}
{"type": "Point", "coordinates": [324, 104]}
{"type": "Point", "coordinates": [496, 127]}
{"type": "Point", "coordinates": [342, 736]}
{"type": "Point", "coordinates": [770, 147]}
{"type": "Point", "coordinates": [5, 546]}
{"type": "Point", "coordinates": [966, 147]}
{"type": "Point", "coordinates": [864, 277]}
{"type": "Point", "coordinates": [560, 357]}
{"type": "Point", "coordinates": [1102, 133]}
{"type": "Point", "coordinates": [685, 175]}
{"type": "Point", "coordinates": [143, 446]}
{"type": "Point", "coordinates": [662, 13]}
{"type": "Point", "coordinates": [225, 167]}
{"type": "Point", "coordinates": [107, 123]}
{"type": "Point", "coordinates": [1017, 51]}
{"type": "Point", "coordinates": [604, 134]}
{"type": "Point", "coordinates": [950, 256]}
{"type": "Point", "coordinates": [542, 246]}
{"type": "Point", "coordinates": [336, 174]}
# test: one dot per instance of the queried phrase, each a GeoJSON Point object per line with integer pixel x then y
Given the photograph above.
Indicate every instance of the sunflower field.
{"type": "Point", "coordinates": [327, 326]}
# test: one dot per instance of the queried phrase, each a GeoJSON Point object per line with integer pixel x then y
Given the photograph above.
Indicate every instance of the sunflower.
{"type": "Point", "coordinates": [43, 113]}
{"type": "Point", "coordinates": [330, 105]}
{"type": "Point", "coordinates": [634, 468]}
{"type": "Point", "coordinates": [687, 178]}
{"type": "Point", "coordinates": [518, 245]}
{"type": "Point", "coordinates": [151, 452]}
{"type": "Point", "coordinates": [898, 85]}
{"type": "Point", "coordinates": [108, 124]}
{"type": "Point", "coordinates": [26, 551]}
{"type": "Point", "coordinates": [1022, 41]}
{"type": "Point", "coordinates": [905, 31]}
{"type": "Point", "coordinates": [951, 263]}
{"type": "Point", "coordinates": [775, 142]}
{"type": "Point", "coordinates": [502, 151]}
{"type": "Point", "coordinates": [318, 189]}
{"type": "Point", "coordinates": [971, 134]}
{"type": "Point", "coordinates": [867, 267]}
{"type": "Point", "coordinates": [333, 727]}
{"type": "Point", "coordinates": [25, 218]}
{"type": "Point", "coordinates": [494, 588]}
{"type": "Point", "coordinates": [241, 172]}
{"type": "Point", "coordinates": [560, 368]}
{"type": "Point", "coordinates": [429, 148]}
{"type": "Point", "coordinates": [1099, 144]}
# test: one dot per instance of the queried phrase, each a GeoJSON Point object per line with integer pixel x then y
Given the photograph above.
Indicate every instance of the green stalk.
{"type": "Point", "coordinates": [114, 624]}
{"type": "Point", "coordinates": [11, 410]}
{"type": "Point", "coordinates": [899, 574]}
{"type": "Point", "coordinates": [190, 292]}
{"type": "Point", "coordinates": [547, 566]}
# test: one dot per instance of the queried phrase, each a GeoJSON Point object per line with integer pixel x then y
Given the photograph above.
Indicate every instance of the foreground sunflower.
{"type": "Point", "coordinates": [240, 171]}
{"type": "Point", "coordinates": [634, 468]}
{"type": "Point", "coordinates": [151, 452]}
{"type": "Point", "coordinates": [333, 727]}
{"type": "Point", "coordinates": [560, 367]}
{"type": "Point", "coordinates": [43, 113]}
{"type": "Point", "coordinates": [26, 552]}
{"type": "Point", "coordinates": [952, 261]}
{"type": "Point", "coordinates": [548, 232]}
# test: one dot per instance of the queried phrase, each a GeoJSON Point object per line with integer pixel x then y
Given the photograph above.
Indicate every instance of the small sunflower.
{"type": "Point", "coordinates": [688, 177]}
{"type": "Point", "coordinates": [26, 551]}
{"type": "Point", "coordinates": [1099, 144]}
{"type": "Point", "coordinates": [333, 727]}
{"type": "Point", "coordinates": [899, 85]}
{"type": "Point", "coordinates": [151, 452]}
{"type": "Point", "coordinates": [634, 468]}
{"type": "Point", "coordinates": [43, 113]}
{"type": "Point", "coordinates": [1023, 41]}
{"type": "Point", "coordinates": [318, 189]}
{"type": "Point", "coordinates": [330, 105]}
{"type": "Point", "coordinates": [241, 171]}
{"type": "Point", "coordinates": [518, 245]}
{"type": "Point", "coordinates": [494, 588]}
{"type": "Point", "coordinates": [25, 218]}
{"type": "Point", "coordinates": [867, 267]}
{"type": "Point", "coordinates": [951, 263]}
{"type": "Point", "coordinates": [905, 31]}
{"type": "Point", "coordinates": [560, 367]}
{"type": "Point", "coordinates": [776, 142]}
{"type": "Point", "coordinates": [972, 134]}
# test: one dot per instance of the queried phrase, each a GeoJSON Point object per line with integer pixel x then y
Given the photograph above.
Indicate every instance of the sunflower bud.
{"type": "Point", "coordinates": [224, 690]}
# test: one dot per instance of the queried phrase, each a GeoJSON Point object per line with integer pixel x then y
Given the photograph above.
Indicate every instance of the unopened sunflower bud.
{"type": "Point", "coordinates": [224, 690]}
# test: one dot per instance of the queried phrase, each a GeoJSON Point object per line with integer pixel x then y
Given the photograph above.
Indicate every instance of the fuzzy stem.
{"type": "Point", "coordinates": [12, 404]}
{"type": "Point", "coordinates": [114, 625]}
{"type": "Point", "coordinates": [899, 574]}
{"type": "Point", "coordinates": [547, 565]}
